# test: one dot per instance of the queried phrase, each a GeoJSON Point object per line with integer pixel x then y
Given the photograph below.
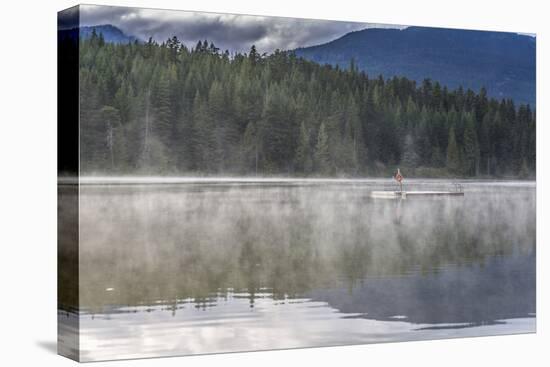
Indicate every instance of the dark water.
{"type": "Point", "coordinates": [186, 268]}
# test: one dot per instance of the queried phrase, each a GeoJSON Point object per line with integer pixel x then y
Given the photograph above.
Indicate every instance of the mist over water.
{"type": "Point", "coordinates": [182, 266]}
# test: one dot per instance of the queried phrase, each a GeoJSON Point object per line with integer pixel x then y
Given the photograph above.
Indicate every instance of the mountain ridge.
{"type": "Point", "coordinates": [111, 33]}
{"type": "Point", "coordinates": [503, 62]}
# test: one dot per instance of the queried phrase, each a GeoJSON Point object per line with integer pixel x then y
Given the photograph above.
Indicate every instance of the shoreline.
{"type": "Point", "coordinates": [149, 180]}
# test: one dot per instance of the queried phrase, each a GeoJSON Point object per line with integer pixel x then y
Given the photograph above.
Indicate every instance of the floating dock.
{"type": "Point", "coordinates": [408, 194]}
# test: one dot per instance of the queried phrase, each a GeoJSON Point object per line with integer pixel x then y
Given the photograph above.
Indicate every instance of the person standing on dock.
{"type": "Point", "coordinates": [399, 178]}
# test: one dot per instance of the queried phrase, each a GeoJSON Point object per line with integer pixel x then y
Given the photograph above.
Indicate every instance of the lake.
{"type": "Point", "coordinates": [193, 266]}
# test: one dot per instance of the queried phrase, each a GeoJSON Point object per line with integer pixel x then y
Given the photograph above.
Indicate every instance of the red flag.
{"type": "Point", "coordinates": [398, 176]}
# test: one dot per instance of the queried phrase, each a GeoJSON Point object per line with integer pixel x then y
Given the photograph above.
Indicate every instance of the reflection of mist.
{"type": "Point", "coordinates": [163, 242]}
{"type": "Point", "coordinates": [166, 268]}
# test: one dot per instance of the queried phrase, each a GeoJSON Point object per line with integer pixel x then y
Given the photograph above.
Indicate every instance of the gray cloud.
{"type": "Point", "coordinates": [227, 31]}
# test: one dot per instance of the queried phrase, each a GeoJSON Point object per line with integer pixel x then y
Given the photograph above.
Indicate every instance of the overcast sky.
{"type": "Point", "coordinates": [227, 31]}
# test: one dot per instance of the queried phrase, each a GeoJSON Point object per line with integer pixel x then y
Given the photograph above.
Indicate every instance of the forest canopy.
{"type": "Point", "coordinates": [150, 108]}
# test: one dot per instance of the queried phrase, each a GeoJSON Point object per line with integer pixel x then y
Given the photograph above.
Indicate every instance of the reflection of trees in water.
{"type": "Point", "coordinates": [67, 269]}
{"type": "Point", "coordinates": [67, 255]}
{"type": "Point", "coordinates": [470, 295]}
{"type": "Point", "coordinates": [287, 241]}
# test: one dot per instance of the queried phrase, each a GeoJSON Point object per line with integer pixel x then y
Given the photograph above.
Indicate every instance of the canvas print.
{"type": "Point", "coordinates": [233, 183]}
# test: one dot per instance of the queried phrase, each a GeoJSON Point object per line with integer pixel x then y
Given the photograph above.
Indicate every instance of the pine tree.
{"type": "Point", "coordinates": [111, 118]}
{"type": "Point", "coordinates": [322, 158]}
{"type": "Point", "coordinates": [471, 147]}
{"type": "Point", "coordinates": [123, 100]}
{"type": "Point", "coordinates": [183, 111]}
{"type": "Point", "coordinates": [277, 135]}
{"type": "Point", "coordinates": [438, 160]}
{"type": "Point", "coordinates": [93, 150]}
{"type": "Point", "coordinates": [225, 131]}
{"type": "Point", "coordinates": [453, 154]}
{"type": "Point", "coordinates": [253, 55]}
{"type": "Point", "coordinates": [303, 152]}
{"type": "Point", "coordinates": [410, 157]}
{"type": "Point", "coordinates": [422, 134]}
{"type": "Point", "coordinates": [205, 147]}
{"type": "Point", "coordinates": [162, 116]}
{"type": "Point", "coordinates": [485, 144]}
{"type": "Point", "coordinates": [524, 170]}
{"type": "Point", "coordinates": [251, 148]}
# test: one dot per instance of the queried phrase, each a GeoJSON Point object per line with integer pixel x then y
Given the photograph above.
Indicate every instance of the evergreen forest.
{"type": "Point", "coordinates": [166, 109]}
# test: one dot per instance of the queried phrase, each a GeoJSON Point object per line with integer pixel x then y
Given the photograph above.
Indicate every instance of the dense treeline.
{"type": "Point", "coordinates": [165, 109]}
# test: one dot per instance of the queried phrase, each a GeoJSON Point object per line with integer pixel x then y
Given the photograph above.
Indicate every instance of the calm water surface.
{"type": "Point", "coordinates": [190, 267]}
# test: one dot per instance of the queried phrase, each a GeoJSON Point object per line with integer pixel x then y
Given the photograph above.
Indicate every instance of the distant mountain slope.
{"type": "Point", "coordinates": [110, 33]}
{"type": "Point", "coordinates": [502, 62]}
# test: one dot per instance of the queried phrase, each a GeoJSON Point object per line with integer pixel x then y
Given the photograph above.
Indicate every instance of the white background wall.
{"type": "Point", "coordinates": [28, 182]}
